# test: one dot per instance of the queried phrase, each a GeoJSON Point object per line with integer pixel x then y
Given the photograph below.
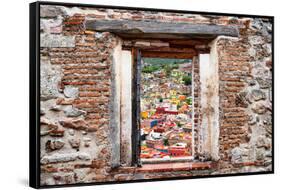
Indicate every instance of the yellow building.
{"type": "Point", "coordinates": [144, 114]}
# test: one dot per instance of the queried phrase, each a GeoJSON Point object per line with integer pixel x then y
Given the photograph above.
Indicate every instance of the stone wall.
{"type": "Point", "coordinates": [76, 98]}
{"type": "Point", "coordinates": [245, 102]}
{"type": "Point", "coordinates": [79, 125]}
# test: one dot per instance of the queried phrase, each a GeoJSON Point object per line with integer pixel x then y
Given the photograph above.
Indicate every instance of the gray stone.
{"type": "Point", "coordinates": [243, 153]}
{"type": "Point", "coordinates": [55, 108]}
{"type": "Point", "coordinates": [52, 145]}
{"type": "Point", "coordinates": [71, 111]}
{"type": "Point", "coordinates": [267, 48]}
{"type": "Point", "coordinates": [252, 82]}
{"type": "Point", "coordinates": [44, 120]}
{"type": "Point", "coordinates": [66, 157]}
{"type": "Point", "coordinates": [263, 142]}
{"type": "Point", "coordinates": [267, 121]}
{"type": "Point", "coordinates": [64, 178]}
{"type": "Point", "coordinates": [252, 51]}
{"type": "Point", "coordinates": [264, 83]}
{"type": "Point", "coordinates": [258, 95]}
{"type": "Point", "coordinates": [268, 162]}
{"type": "Point", "coordinates": [270, 94]}
{"type": "Point", "coordinates": [78, 124]}
{"type": "Point", "coordinates": [264, 28]}
{"type": "Point", "coordinates": [259, 108]}
{"type": "Point", "coordinates": [268, 27]}
{"type": "Point", "coordinates": [268, 153]}
{"type": "Point", "coordinates": [256, 24]}
{"type": "Point", "coordinates": [236, 155]}
{"type": "Point", "coordinates": [50, 78]}
{"type": "Point", "coordinates": [71, 91]}
{"type": "Point", "coordinates": [42, 111]}
{"type": "Point", "coordinates": [87, 141]}
{"type": "Point", "coordinates": [268, 129]}
{"type": "Point", "coordinates": [256, 40]}
{"type": "Point", "coordinates": [45, 129]}
{"type": "Point", "coordinates": [260, 154]}
{"type": "Point", "coordinates": [74, 143]}
{"type": "Point", "coordinates": [50, 181]}
{"type": "Point", "coordinates": [59, 158]}
{"type": "Point", "coordinates": [252, 120]}
{"type": "Point", "coordinates": [80, 175]}
{"type": "Point", "coordinates": [53, 26]}
{"type": "Point", "coordinates": [53, 40]}
{"type": "Point", "coordinates": [50, 11]}
{"type": "Point", "coordinates": [71, 132]}
{"type": "Point", "coordinates": [84, 156]}
{"type": "Point", "coordinates": [204, 156]}
{"type": "Point", "coordinates": [98, 35]}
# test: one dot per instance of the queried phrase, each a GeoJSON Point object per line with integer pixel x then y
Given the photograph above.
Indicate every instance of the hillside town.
{"type": "Point", "coordinates": [166, 108]}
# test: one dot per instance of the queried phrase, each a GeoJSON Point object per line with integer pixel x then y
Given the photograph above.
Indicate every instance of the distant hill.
{"type": "Point", "coordinates": [151, 65]}
{"type": "Point", "coordinates": [162, 61]}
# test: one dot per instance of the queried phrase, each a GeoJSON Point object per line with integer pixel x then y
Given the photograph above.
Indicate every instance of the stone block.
{"type": "Point", "coordinates": [50, 11]}
{"type": "Point", "coordinates": [66, 157]}
{"type": "Point", "coordinates": [258, 95]}
{"type": "Point", "coordinates": [52, 145]}
{"type": "Point", "coordinates": [74, 143]}
{"type": "Point", "coordinates": [52, 41]}
{"type": "Point", "coordinates": [50, 78]}
{"type": "Point", "coordinates": [71, 111]}
{"type": "Point", "coordinates": [264, 83]}
{"type": "Point", "coordinates": [259, 108]}
{"type": "Point", "coordinates": [71, 91]}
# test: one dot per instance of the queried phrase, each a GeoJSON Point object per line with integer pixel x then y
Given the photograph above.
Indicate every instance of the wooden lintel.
{"type": "Point", "coordinates": [173, 43]}
{"type": "Point", "coordinates": [188, 42]}
{"type": "Point", "coordinates": [160, 30]}
{"type": "Point", "coordinates": [161, 49]}
{"type": "Point", "coordinates": [174, 55]}
{"type": "Point", "coordinates": [171, 49]}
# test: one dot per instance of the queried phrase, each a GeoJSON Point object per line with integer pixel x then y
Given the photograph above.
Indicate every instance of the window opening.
{"type": "Point", "coordinates": [165, 109]}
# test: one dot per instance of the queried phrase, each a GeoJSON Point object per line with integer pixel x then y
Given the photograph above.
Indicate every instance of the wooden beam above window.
{"type": "Point", "coordinates": [174, 55]}
{"type": "Point", "coordinates": [156, 46]}
{"type": "Point", "coordinates": [161, 30]}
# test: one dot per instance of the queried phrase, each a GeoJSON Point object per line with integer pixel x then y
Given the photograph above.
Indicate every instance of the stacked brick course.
{"type": "Point", "coordinates": [196, 102]}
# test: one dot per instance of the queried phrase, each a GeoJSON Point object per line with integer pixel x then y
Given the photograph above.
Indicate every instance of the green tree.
{"type": "Point", "coordinates": [167, 69]}
{"type": "Point", "coordinates": [166, 142]}
{"type": "Point", "coordinates": [189, 101]}
{"type": "Point", "coordinates": [150, 69]}
{"type": "Point", "coordinates": [187, 80]}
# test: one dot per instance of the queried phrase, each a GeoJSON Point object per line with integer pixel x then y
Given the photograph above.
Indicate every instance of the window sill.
{"type": "Point", "coordinates": [170, 160]}
{"type": "Point", "coordinates": [181, 166]}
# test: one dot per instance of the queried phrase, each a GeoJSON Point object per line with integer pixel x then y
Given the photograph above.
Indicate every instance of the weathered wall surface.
{"type": "Point", "coordinates": [78, 104]}
{"type": "Point", "coordinates": [209, 103]}
{"type": "Point", "coordinates": [77, 101]}
{"type": "Point", "coordinates": [245, 102]}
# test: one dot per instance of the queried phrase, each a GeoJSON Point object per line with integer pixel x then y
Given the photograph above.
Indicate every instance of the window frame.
{"type": "Point", "coordinates": [136, 80]}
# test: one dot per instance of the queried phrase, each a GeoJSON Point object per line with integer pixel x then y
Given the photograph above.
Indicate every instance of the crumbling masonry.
{"type": "Point", "coordinates": [82, 135]}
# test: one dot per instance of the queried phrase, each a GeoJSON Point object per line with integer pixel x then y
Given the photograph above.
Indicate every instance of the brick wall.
{"type": "Point", "coordinates": [196, 101]}
{"type": "Point", "coordinates": [245, 104]}
{"type": "Point", "coordinates": [77, 92]}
